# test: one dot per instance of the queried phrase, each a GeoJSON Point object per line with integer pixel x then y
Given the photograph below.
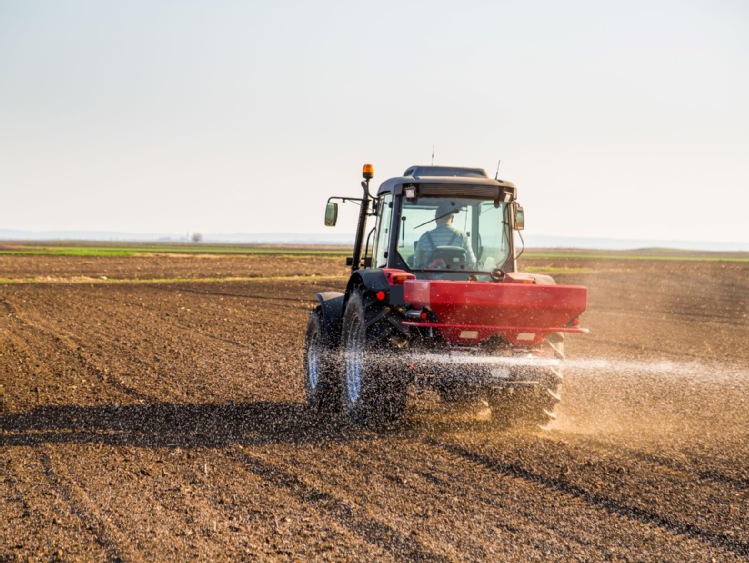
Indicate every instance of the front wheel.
{"type": "Point", "coordinates": [321, 374]}
{"type": "Point", "coordinates": [374, 392]}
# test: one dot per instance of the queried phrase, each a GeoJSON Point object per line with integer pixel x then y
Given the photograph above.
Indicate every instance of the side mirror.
{"type": "Point", "coordinates": [519, 218]}
{"type": "Point", "coordinates": [331, 214]}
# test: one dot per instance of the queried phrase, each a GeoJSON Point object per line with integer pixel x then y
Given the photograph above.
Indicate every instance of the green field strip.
{"type": "Point", "coordinates": [5, 281]}
{"type": "Point", "coordinates": [125, 251]}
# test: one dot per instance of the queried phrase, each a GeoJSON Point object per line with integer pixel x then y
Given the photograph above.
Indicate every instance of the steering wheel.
{"type": "Point", "coordinates": [447, 258]}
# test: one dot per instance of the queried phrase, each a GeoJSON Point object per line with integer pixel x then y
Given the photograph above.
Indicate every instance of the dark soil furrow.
{"type": "Point", "coordinates": [187, 349]}
{"type": "Point", "coordinates": [58, 363]}
{"type": "Point", "coordinates": [418, 508]}
{"type": "Point", "coordinates": [667, 521]}
{"type": "Point", "coordinates": [303, 302]}
{"type": "Point", "coordinates": [683, 316]}
{"type": "Point", "coordinates": [624, 535]}
{"type": "Point", "coordinates": [485, 490]}
{"type": "Point", "coordinates": [372, 529]}
{"type": "Point", "coordinates": [113, 369]}
{"type": "Point", "coordinates": [116, 543]}
{"type": "Point", "coordinates": [44, 526]}
{"type": "Point", "coordinates": [694, 470]}
{"type": "Point", "coordinates": [488, 492]}
{"type": "Point", "coordinates": [74, 343]}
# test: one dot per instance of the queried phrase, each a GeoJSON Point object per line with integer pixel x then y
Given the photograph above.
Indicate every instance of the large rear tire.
{"type": "Point", "coordinates": [322, 378]}
{"type": "Point", "coordinates": [373, 391]}
{"type": "Point", "coordinates": [532, 407]}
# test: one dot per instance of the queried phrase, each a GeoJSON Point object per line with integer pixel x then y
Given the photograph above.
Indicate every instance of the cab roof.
{"type": "Point", "coordinates": [464, 177]}
{"type": "Point", "coordinates": [421, 171]}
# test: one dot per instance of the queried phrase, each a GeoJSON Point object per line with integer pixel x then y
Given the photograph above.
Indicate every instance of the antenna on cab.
{"type": "Point", "coordinates": [496, 174]}
{"type": "Point", "coordinates": [432, 155]}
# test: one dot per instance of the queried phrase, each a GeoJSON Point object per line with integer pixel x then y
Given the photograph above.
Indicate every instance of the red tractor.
{"type": "Point", "coordinates": [435, 299]}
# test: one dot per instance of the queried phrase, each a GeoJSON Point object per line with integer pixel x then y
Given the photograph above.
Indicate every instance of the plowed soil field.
{"type": "Point", "coordinates": [148, 419]}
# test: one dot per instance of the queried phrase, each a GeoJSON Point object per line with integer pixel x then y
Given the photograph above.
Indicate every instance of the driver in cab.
{"type": "Point", "coordinates": [443, 235]}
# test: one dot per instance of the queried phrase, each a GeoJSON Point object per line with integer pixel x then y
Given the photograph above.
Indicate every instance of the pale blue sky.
{"type": "Point", "coordinates": [625, 120]}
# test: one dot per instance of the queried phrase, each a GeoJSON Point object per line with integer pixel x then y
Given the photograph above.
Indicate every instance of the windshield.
{"type": "Point", "coordinates": [453, 235]}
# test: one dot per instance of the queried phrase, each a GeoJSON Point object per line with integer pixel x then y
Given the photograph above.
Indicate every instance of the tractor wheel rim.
{"type": "Point", "coordinates": [313, 361]}
{"type": "Point", "coordinates": [354, 362]}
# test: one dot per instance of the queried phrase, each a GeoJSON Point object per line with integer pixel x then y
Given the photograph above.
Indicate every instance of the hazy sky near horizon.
{"type": "Point", "coordinates": [625, 120]}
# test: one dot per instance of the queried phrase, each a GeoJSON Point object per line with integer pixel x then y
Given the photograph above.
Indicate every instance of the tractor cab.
{"type": "Point", "coordinates": [438, 222]}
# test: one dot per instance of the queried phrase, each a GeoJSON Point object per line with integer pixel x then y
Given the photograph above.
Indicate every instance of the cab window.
{"type": "Point", "coordinates": [382, 231]}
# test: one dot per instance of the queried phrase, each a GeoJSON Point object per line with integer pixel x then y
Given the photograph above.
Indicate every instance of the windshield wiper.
{"type": "Point", "coordinates": [435, 219]}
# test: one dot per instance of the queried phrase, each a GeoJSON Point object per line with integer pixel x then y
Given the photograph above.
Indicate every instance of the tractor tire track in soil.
{"type": "Point", "coordinates": [74, 347]}
{"type": "Point", "coordinates": [166, 421]}
{"type": "Point", "coordinates": [432, 496]}
{"type": "Point", "coordinates": [53, 526]}
{"type": "Point", "coordinates": [116, 544]}
{"type": "Point", "coordinates": [669, 522]}
{"type": "Point", "coordinates": [692, 471]}
{"type": "Point", "coordinates": [371, 529]}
